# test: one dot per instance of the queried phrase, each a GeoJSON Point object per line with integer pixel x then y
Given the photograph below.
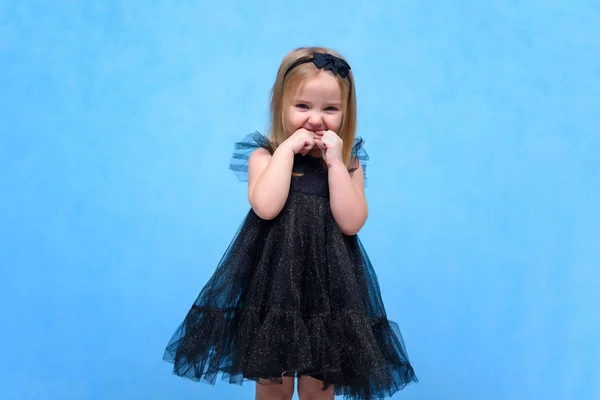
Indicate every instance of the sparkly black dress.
{"type": "Point", "coordinates": [293, 296]}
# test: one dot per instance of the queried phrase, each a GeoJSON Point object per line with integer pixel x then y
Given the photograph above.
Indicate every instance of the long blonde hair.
{"type": "Point", "coordinates": [284, 89]}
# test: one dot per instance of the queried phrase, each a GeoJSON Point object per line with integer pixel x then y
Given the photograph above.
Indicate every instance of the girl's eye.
{"type": "Point", "coordinates": [331, 109]}
{"type": "Point", "coordinates": [304, 106]}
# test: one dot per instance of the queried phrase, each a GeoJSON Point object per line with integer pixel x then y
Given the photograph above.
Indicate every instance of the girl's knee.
{"type": "Point", "coordinates": [312, 389]}
{"type": "Point", "coordinates": [274, 391]}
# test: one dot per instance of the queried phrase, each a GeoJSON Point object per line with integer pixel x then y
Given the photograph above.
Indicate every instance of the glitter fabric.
{"type": "Point", "coordinates": [293, 296]}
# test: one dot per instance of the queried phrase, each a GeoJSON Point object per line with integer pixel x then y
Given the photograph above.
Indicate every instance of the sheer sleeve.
{"type": "Point", "coordinates": [242, 151]}
{"type": "Point", "coordinates": [360, 155]}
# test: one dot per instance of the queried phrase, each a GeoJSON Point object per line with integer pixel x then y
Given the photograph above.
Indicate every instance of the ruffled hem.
{"type": "Point", "coordinates": [363, 359]}
{"type": "Point", "coordinates": [255, 140]}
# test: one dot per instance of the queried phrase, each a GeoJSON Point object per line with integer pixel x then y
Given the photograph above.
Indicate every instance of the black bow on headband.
{"type": "Point", "coordinates": [332, 63]}
{"type": "Point", "coordinates": [325, 61]}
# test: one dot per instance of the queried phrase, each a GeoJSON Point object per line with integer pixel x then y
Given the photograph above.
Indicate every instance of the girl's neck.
{"type": "Point", "coordinates": [315, 152]}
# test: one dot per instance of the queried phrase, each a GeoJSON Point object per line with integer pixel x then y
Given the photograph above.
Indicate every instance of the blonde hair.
{"type": "Point", "coordinates": [284, 89]}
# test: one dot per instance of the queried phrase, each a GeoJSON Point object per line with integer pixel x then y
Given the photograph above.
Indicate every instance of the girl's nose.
{"type": "Point", "coordinates": [315, 120]}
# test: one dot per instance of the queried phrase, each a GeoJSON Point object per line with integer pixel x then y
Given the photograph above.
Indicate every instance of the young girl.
{"type": "Point", "coordinates": [295, 295]}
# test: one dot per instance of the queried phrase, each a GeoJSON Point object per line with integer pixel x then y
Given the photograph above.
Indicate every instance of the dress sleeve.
{"type": "Point", "coordinates": [359, 154]}
{"type": "Point", "coordinates": [242, 151]}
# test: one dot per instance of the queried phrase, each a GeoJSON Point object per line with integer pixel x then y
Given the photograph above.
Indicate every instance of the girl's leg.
{"type": "Point", "coordinates": [275, 391]}
{"type": "Point", "coordinates": [310, 388]}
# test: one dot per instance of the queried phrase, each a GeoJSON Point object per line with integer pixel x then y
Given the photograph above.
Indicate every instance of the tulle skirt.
{"type": "Point", "coordinates": [293, 296]}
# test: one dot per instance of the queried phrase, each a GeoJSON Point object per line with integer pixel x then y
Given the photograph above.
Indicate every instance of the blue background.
{"type": "Point", "coordinates": [117, 121]}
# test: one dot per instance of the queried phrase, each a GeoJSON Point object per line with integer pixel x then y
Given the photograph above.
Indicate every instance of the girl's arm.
{"type": "Point", "coordinates": [269, 178]}
{"type": "Point", "coordinates": [347, 198]}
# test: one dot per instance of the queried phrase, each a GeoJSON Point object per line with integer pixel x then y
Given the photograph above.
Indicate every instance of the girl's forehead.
{"type": "Point", "coordinates": [320, 86]}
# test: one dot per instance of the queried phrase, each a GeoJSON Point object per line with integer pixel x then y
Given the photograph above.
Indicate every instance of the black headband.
{"type": "Point", "coordinates": [324, 61]}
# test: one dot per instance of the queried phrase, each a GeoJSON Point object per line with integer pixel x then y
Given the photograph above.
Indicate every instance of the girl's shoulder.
{"type": "Point", "coordinates": [244, 148]}
{"type": "Point", "coordinates": [242, 151]}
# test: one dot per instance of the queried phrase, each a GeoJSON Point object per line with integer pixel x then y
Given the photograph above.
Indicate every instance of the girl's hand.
{"type": "Point", "coordinates": [301, 141]}
{"type": "Point", "coordinates": [331, 146]}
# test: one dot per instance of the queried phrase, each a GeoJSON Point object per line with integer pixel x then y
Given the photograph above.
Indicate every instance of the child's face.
{"type": "Point", "coordinates": [317, 106]}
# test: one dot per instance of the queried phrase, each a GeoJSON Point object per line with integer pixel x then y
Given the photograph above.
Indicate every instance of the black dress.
{"type": "Point", "coordinates": [293, 296]}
